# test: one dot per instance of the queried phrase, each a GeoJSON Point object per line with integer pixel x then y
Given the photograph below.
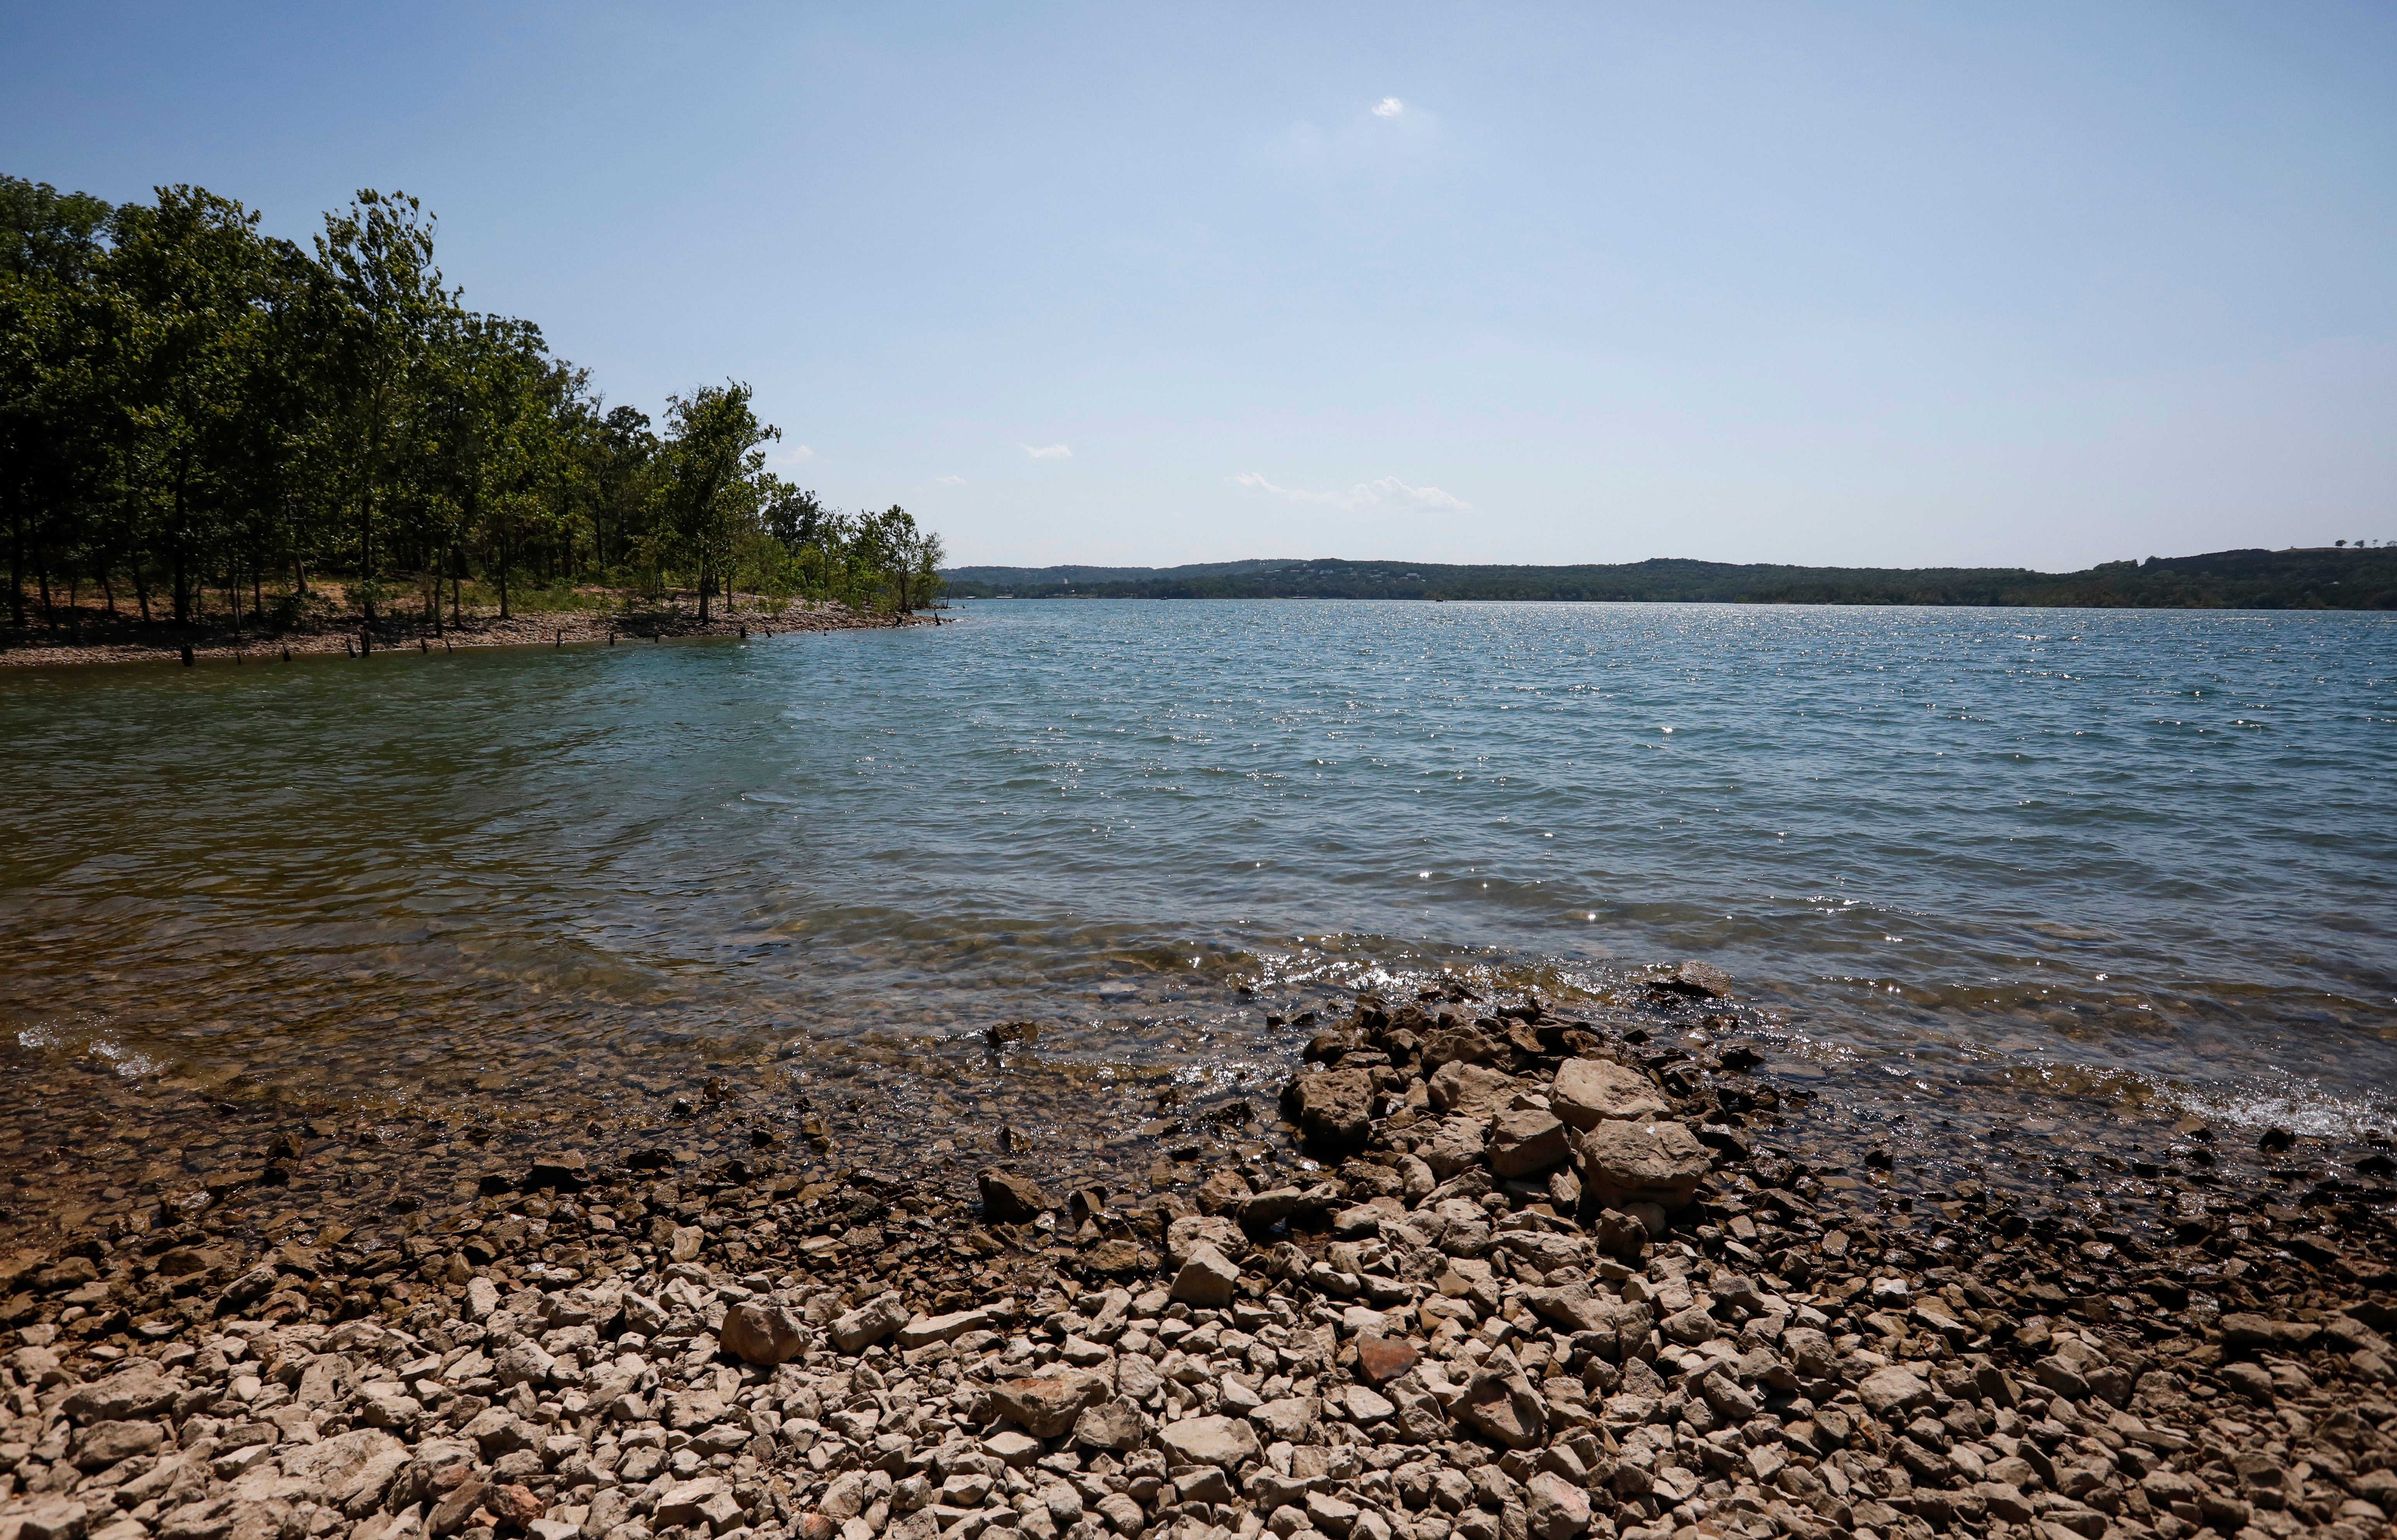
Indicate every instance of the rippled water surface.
{"type": "Point", "coordinates": [2106, 856]}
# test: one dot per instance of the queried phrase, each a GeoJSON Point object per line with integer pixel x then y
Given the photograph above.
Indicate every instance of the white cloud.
{"type": "Point", "coordinates": [950, 480]}
{"type": "Point", "coordinates": [1049, 452]}
{"type": "Point", "coordinates": [1386, 136]}
{"type": "Point", "coordinates": [1386, 496]}
{"type": "Point", "coordinates": [801, 454]}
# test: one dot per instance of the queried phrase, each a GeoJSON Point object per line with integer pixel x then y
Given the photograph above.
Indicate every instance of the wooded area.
{"type": "Point", "coordinates": [202, 424]}
{"type": "Point", "coordinates": [2348, 576]}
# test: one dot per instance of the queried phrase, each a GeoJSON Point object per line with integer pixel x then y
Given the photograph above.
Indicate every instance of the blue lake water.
{"type": "Point", "coordinates": [2113, 857]}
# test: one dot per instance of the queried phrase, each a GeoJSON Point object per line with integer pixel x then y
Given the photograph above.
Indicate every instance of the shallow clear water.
{"type": "Point", "coordinates": [2107, 856]}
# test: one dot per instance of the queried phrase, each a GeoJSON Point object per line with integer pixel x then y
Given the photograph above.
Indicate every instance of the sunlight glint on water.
{"type": "Point", "coordinates": [2106, 854]}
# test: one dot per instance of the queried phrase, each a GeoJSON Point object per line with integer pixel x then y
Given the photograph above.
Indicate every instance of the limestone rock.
{"type": "Point", "coordinates": [1623, 1162]}
{"type": "Point", "coordinates": [1224, 1192]}
{"type": "Point", "coordinates": [1893, 1388]}
{"type": "Point", "coordinates": [1526, 1140]}
{"type": "Point", "coordinates": [756, 1332]}
{"type": "Point", "coordinates": [1207, 1279]}
{"type": "Point", "coordinates": [1046, 1406]}
{"type": "Point", "coordinates": [925, 1330]}
{"type": "Point", "coordinates": [869, 1323]}
{"type": "Point", "coordinates": [1573, 1306]}
{"type": "Point", "coordinates": [1286, 1419]}
{"type": "Point", "coordinates": [682, 1505]}
{"type": "Point", "coordinates": [2247, 1330]}
{"type": "Point", "coordinates": [1459, 1044]}
{"type": "Point", "coordinates": [1333, 1107]}
{"type": "Point", "coordinates": [1010, 1199]}
{"type": "Point", "coordinates": [1191, 1231]}
{"type": "Point", "coordinates": [1589, 1092]}
{"type": "Point", "coordinates": [1553, 1508]}
{"type": "Point", "coordinates": [104, 1443]}
{"type": "Point", "coordinates": [1471, 1091]}
{"type": "Point", "coordinates": [1263, 1211]}
{"type": "Point", "coordinates": [1502, 1402]}
{"type": "Point", "coordinates": [136, 1390]}
{"type": "Point", "coordinates": [249, 1289]}
{"type": "Point", "coordinates": [1114, 1425]}
{"type": "Point", "coordinates": [1223, 1441]}
{"type": "Point", "coordinates": [1455, 1145]}
{"type": "Point", "coordinates": [1693, 980]}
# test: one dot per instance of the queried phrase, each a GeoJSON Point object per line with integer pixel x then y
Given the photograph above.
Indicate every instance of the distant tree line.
{"type": "Point", "coordinates": [2348, 578]}
{"type": "Point", "coordinates": [200, 423]}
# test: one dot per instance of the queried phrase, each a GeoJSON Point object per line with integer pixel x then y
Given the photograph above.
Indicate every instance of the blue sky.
{"type": "Point", "coordinates": [2026, 284]}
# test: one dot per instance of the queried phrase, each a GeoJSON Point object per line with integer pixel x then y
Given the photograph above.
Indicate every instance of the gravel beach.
{"type": "Point", "coordinates": [1504, 1276]}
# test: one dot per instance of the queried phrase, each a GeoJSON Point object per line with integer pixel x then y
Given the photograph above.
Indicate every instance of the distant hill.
{"type": "Point", "coordinates": [2312, 579]}
{"type": "Point", "coordinates": [1070, 577]}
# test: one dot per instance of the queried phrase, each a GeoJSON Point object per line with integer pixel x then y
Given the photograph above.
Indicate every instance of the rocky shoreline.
{"type": "Point", "coordinates": [1508, 1276]}
{"type": "Point", "coordinates": [534, 628]}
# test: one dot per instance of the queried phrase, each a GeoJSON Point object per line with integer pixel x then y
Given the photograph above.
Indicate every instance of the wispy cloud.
{"type": "Point", "coordinates": [799, 455]}
{"type": "Point", "coordinates": [950, 480]}
{"type": "Point", "coordinates": [1389, 106]}
{"type": "Point", "coordinates": [1389, 495]}
{"type": "Point", "coordinates": [1049, 452]}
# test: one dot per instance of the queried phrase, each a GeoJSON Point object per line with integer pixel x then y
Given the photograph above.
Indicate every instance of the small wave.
{"type": "Point", "coordinates": [2302, 1106]}
{"type": "Point", "coordinates": [64, 1038]}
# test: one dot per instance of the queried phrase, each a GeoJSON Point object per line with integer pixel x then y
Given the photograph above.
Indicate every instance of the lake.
{"type": "Point", "coordinates": [2006, 864]}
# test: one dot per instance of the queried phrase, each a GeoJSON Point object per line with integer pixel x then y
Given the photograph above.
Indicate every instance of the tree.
{"type": "Point", "coordinates": [381, 304]}
{"type": "Point", "coordinates": [182, 399]}
{"type": "Point", "coordinates": [903, 558]}
{"type": "Point", "coordinates": [713, 460]}
{"type": "Point", "coordinates": [501, 400]}
{"type": "Point", "coordinates": [188, 294]}
{"type": "Point", "coordinates": [50, 244]}
{"type": "Point", "coordinates": [623, 454]}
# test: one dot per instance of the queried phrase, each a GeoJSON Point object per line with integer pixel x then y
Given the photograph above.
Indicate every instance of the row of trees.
{"type": "Point", "coordinates": [203, 419]}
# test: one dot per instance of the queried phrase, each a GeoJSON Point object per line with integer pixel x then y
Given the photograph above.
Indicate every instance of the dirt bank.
{"type": "Point", "coordinates": [165, 644]}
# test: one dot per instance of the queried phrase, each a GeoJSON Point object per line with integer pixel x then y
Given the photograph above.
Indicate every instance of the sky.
{"type": "Point", "coordinates": [1896, 285]}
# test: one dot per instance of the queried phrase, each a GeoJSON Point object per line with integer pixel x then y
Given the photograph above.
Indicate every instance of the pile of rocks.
{"type": "Point", "coordinates": [1537, 1282]}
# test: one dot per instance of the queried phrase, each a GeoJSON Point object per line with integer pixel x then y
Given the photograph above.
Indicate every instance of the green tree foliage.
{"type": "Point", "coordinates": [713, 457]}
{"type": "Point", "coordinates": [190, 407]}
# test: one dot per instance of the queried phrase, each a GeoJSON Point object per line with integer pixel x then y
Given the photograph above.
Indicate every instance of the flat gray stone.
{"type": "Point", "coordinates": [1623, 1162]}
{"type": "Point", "coordinates": [1224, 1442]}
{"type": "Point", "coordinates": [1589, 1092]}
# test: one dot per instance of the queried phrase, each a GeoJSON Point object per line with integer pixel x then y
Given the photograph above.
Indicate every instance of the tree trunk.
{"type": "Point", "coordinates": [365, 556]}
{"type": "Point", "coordinates": [298, 572]}
{"type": "Point", "coordinates": [182, 578]}
{"type": "Point", "coordinates": [17, 571]}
